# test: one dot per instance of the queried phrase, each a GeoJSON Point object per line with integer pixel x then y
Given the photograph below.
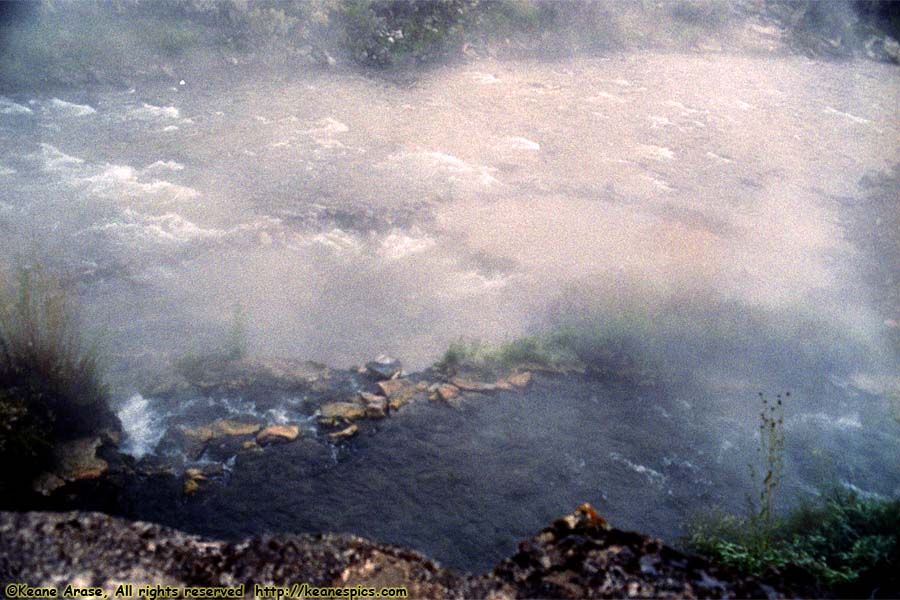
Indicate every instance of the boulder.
{"type": "Point", "coordinates": [384, 367]}
{"type": "Point", "coordinates": [277, 433]}
{"type": "Point", "coordinates": [345, 433]}
{"type": "Point", "coordinates": [343, 410]}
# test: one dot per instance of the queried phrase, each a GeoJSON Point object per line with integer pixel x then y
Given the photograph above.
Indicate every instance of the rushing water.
{"type": "Point", "coordinates": [350, 216]}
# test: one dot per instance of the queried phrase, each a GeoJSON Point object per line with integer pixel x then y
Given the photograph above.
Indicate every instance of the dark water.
{"type": "Point", "coordinates": [464, 486]}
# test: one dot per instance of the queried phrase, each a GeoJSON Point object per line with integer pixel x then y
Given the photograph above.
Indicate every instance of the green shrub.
{"type": "Point", "coordinates": [51, 385]}
{"type": "Point", "coordinates": [849, 543]}
{"type": "Point", "coordinates": [386, 32]}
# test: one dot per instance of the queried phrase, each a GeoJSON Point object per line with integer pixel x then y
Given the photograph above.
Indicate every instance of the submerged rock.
{"type": "Point", "coordinates": [344, 433]}
{"type": "Point", "coordinates": [191, 487]}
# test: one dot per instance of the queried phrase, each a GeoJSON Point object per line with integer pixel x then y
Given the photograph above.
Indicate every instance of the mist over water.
{"type": "Point", "coordinates": [699, 201]}
{"type": "Point", "coordinates": [350, 216]}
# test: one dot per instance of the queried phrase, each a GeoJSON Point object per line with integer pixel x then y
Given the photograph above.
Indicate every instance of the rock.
{"type": "Point", "coordinates": [447, 392]}
{"type": "Point", "coordinates": [343, 410]}
{"type": "Point", "coordinates": [581, 556]}
{"type": "Point", "coordinates": [368, 397]}
{"type": "Point", "coordinates": [77, 460]}
{"type": "Point", "coordinates": [194, 473]}
{"type": "Point", "coordinates": [376, 406]}
{"type": "Point", "coordinates": [384, 367]}
{"type": "Point", "coordinates": [473, 386]}
{"type": "Point", "coordinates": [519, 380]}
{"type": "Point", "coordinates": [191, 486]}
{"type": "Point", "coordinates": [398, 391]}
{"type": "Point", "coordinates": [44, 549]}
{"type": "Point", "coordinates": [213, 470]}
{"type": "Point", "coordinates": [250, 445]}
{"type": "Point", "coordinates": [345, 433]}
{"type": "Point", "coordinates": [578, 556]}
{"type": "Point", "coordinates": [47, 483]}
{"type": "Point", "coordinates": [219, 429]}
{"type": "Point", "coordinates": [277, 433]}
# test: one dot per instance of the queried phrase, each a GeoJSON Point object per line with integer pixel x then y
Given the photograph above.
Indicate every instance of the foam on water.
{"type": "Point", "coordinates": [655, 477]}
{"type": "Point", "coordinates": [8, 107]}
{"type": "Point", "coordinates": [169, 229]}
{"type": "Point", "coordinates": [149, 111]}
{"type": "Point", "coordinates": [56, 160]}
{"type": "Point", "coordinates": [398, 245]}
{"type": "Point", "coordinates": [71, 109]}
{"type": "Point", "coordinates": [118, 181]}
{"type": "Point", "coordinates": [655, 152]}
{"type": "Point", "coordinates": [433, 163]}
{"type": "Point", "coordinates": [143, 426]}
{"type": "Point", "coordinates": [832, 111]}
{"type": "Point", "coordinates": [164, 165]}
{"type": "Point", "coordinates": [519, 143]}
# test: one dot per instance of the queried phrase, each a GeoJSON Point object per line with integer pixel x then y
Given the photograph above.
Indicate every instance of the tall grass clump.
{"type": "Point", "coordinates": [51, 383]}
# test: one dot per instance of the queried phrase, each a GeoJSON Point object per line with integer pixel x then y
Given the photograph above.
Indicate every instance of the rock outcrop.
{"type": "Point", "coordinates": [578, 556]}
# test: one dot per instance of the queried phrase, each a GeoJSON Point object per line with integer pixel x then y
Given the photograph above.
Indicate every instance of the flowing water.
{"type": "Point", "coordinates": [703, 199]}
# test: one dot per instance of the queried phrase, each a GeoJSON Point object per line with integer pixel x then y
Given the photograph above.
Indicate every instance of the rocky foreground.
{"type": "Point", "coordinates": [578, 556]}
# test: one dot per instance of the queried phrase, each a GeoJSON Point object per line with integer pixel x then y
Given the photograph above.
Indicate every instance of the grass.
{"type": "Point", "coordinates": [51, 379]}
{"type": "Point", "coordinates": [618, 350]}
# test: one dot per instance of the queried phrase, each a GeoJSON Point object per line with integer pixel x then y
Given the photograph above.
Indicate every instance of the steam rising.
{"type": "Point", "coordinates": [350, 216]}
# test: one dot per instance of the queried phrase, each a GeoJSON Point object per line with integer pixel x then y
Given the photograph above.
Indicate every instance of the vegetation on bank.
{"type": "Point", "coordinates": [615, 351]}
{"type": "Point", "coordinates": [848, 543]}
{"type": "Point", "coordinates": [51, 379]}
{"type": "Point", "coordinates": [76, 43]}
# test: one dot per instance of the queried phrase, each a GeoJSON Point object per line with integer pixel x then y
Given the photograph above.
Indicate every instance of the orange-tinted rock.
{"type": "Point", "coordinates": [278, 433]}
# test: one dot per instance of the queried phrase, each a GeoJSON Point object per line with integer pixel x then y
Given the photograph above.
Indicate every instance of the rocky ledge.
{"type": "Point", "coordinates": [578, 556]}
